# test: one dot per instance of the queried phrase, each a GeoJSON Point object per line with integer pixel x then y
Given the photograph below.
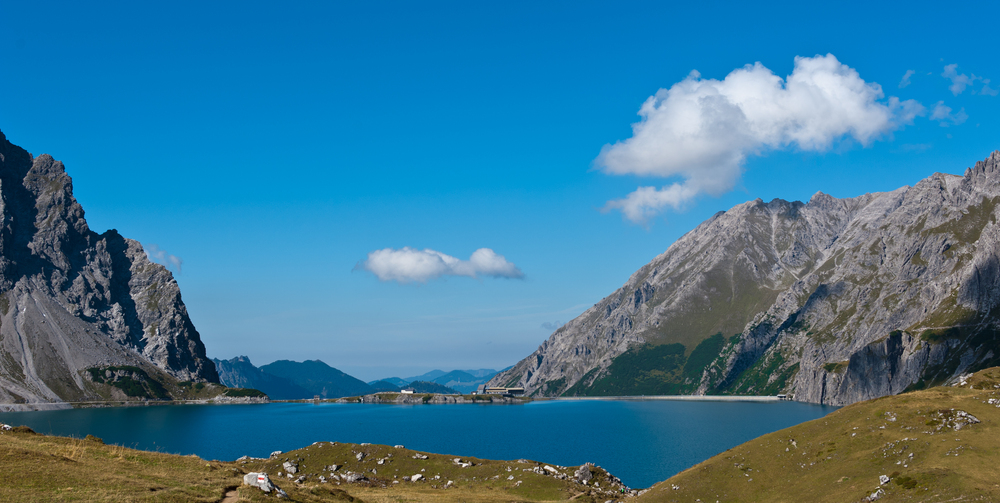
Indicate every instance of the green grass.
{"type": "Point", "coordinates": [767, 376]}
{"type": "Point", "coordinates": [135, 382]}
{"type": "Point", "coordinates": [244, 392]}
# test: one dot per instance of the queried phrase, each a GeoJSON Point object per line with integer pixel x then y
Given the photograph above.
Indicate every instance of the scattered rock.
{"type": "Point", "coordinates": [290, 467]}
{"type": "Point", "coordinates": [352, 477]}
{"type": "Point", "coordinates": [275, 454]}
{"type": "Point", "coordinates": [583, 474]}
{"type": "Point", "coordinates": [416, 477]}
{"type": "Point", "coordinates": [259, 480]}
{"type": "Point", "coordinates": [419, 456]}
{"type": "Point", "coordinates": [875, 495]}
{"type": "Point", "coordinates": [360, 456]}
{"type": "Point", "coordinates": [951, 418]}
{"type": "Point", "coordinates": [883, 480]}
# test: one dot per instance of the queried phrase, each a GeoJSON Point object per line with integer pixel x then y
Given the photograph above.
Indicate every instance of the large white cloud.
{"type": "Point", "coordinates": [407, 265]}
{"type": "Point", "coordinates": [702, 130]}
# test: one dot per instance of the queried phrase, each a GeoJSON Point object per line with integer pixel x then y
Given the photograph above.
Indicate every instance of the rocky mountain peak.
{"type": "Point", "coordinates": [833, 300]}
{"type": "Point", "coordinates": [66, 292]}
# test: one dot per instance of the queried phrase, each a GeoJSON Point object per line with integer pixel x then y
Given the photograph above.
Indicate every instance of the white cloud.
{"type": "Point", "coordinates": [551, 325]}
{"type": "Point", "coordinates": [987, 90]}
{"type": "Point", "coordinates": [945, 118]}
{"type": "Point", "coordinates": [407, 265]}
{"type": "Point", "coordinates": [905, 81]}
{"type": "Point", "coordinates": [959, 81]}
{"type": "Point", "coordinates": [155, 254]}
{"type": "Point", "coordinates": [702, 130]}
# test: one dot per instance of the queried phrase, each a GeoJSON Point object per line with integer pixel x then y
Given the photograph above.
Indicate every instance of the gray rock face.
{"type": "Point", "coordinates": [71, 299]}
{"type": "Point", "coordinates": [834, 300]}
{"type": "Point", "coordinates": [259, 480]}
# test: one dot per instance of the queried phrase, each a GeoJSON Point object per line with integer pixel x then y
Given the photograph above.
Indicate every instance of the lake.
{"type": "Point", "coordinates": [641, 442]}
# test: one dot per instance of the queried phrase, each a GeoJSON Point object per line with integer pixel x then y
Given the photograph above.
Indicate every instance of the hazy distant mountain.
{"type": "Point", "coordinates": [430, 376]}
{"type": "Point", "coordinates": [390, 380]}
{"type": "Point", "coordinates": [834, 300]}
{"type": "Point", "coordinates": [462, 381]}
{"type": "Point", "coordinates": [318, 378]}
{"type": "Point", "coordinates": [240, 373]}
{"type": "Point", "coordinates": [83, 316]}
{"type": "Point", "coordinates": [378, 386]}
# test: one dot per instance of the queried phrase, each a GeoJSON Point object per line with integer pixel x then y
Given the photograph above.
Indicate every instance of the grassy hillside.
{"type": "Point", "coordinates": [924, 441]}
{"type": "Point", "coordinates": [38, 468]}
{"type": "Point", "coordinates": [43, 468]}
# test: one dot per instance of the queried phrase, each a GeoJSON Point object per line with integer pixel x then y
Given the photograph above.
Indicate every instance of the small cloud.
{"type": "Point", "coordinates": [959, 81]}
{"type": "Point", "coordinates": [943, 114]}
{"type": "Point", "coordinates": [407, 265]}
{"type": "Point", "coordinates": [905, 81]}
{"type": "Point", "coordinates": [987, 90]}
{"type": "Point", "coordinates": [701, 131]}
{"type": "Point", "coordinates": [155, 254]}
{"type": "Point", "coordinates": [552, 325]}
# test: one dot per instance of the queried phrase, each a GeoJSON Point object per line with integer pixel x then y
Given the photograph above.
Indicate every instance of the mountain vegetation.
{"type": "Point", "coordinates": [833, 301]}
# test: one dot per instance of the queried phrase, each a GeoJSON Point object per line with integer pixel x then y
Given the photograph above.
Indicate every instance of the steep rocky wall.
{"type": "Point", "coordinates": [72, 298]}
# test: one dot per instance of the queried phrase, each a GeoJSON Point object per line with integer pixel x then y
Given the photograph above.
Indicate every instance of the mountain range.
{"type": "Point", "coordinates": [833, 301]}
{"type": "Point", "coordinates": [289, 380]}
{"type": "Point", "coordinates": [83, 316]}
{"type": "Point", "coordinates": [462, 381]}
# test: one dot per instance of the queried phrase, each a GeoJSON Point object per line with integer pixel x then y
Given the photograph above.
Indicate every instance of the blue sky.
{"type": "Point", "coordinates": [273, 148]}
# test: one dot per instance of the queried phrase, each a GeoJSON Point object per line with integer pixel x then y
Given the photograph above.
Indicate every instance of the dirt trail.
{"type": "Point", "coordinates": [231, 496]}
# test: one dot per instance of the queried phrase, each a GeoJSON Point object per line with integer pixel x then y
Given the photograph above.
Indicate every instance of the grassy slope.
{"type": "Point", "coordinates": [38, 468]}
{"type": "Point", "coordinates": [43, 468]}
{"type": "Point", "coordinates": [839, 458]}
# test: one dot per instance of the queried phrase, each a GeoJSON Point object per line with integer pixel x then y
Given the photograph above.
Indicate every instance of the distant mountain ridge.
{"type": "Point", "coordinates": [239, 372]}
{"type": "Point", "coordinates": [461, 381]}
{"type": "Point", "coordinates": [318, 378]}
{"type": "Point", "coordinates": [834, 300]}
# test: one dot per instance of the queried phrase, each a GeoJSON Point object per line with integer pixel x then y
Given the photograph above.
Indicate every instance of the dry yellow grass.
{"type": "Point", "coordinates": [910, 438]}
{"type": "Point", "coordinates": [37, 468]}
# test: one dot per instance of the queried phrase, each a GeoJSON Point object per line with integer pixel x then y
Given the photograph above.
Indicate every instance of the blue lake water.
{"type": "Point", "coordinates": [642, 442]}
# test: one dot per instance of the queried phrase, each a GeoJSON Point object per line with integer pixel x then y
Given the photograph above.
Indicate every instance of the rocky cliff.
{"type": "Point", "coordinates": [74, 303]}
{"type": "Point", "coordinates": [834, 301]}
